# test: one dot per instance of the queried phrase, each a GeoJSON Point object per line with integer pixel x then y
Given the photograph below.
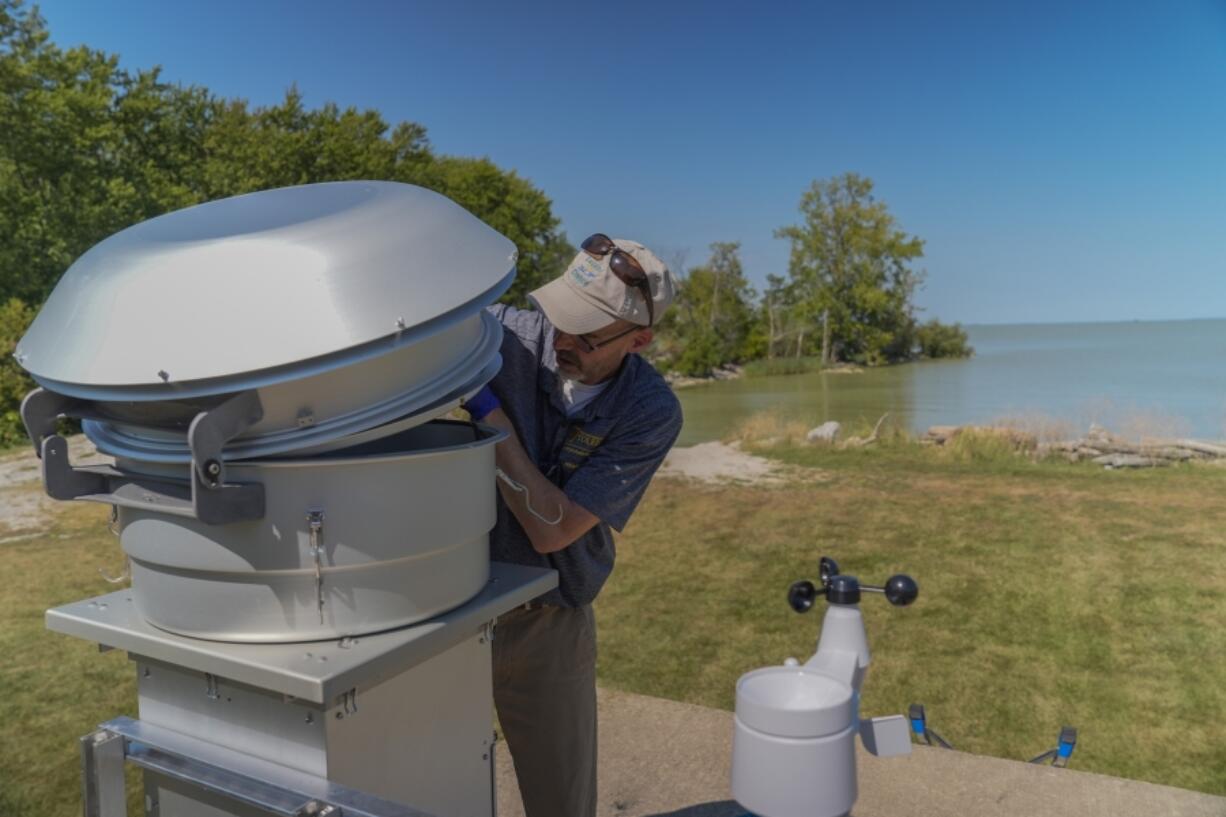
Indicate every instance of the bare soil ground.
{"type": "Point", "coordinates": [726, 462]}
{"type": "Point", "coordinates": [25, 510]}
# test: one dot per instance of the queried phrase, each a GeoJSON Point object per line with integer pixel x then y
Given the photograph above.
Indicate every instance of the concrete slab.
{"type": "Point", "coordinates": [671, 759]}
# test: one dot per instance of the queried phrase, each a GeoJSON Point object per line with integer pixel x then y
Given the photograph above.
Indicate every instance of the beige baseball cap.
{"type": "Point", "coordinates": [588, 296]}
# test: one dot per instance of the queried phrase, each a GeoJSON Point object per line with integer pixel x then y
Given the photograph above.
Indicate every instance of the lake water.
{"type": "Point", "coordinates": [1145, 378]}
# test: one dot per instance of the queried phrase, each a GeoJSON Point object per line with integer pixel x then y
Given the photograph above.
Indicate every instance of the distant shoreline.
{"type": "Point", "coordinates": [1106, 322]}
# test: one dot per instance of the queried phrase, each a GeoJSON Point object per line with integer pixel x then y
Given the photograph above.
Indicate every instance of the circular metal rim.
{"type": "Point", "coordinates": [761, 713]}
{"type": "Point", "coordinates": [416, 401]}
{"type": "Point", "coordinates": [434, 411]}
{"type": "Point", "coordinates": [489, 434]}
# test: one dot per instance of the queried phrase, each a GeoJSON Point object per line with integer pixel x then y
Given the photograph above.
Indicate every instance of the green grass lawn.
{"type": "Point", "coordinates": [54, 689]}
{"type": "Point", "coordinates": [1050, 594]}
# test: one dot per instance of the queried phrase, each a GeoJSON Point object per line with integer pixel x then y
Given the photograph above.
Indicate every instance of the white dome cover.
{"type": "Point", "coordinates": [232, 288]}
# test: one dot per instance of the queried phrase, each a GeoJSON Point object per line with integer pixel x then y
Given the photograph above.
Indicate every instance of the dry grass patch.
{"type": "Point", "coordinates": [768, 428]}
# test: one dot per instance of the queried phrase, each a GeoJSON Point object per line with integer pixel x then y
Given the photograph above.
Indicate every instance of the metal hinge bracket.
{"type": "Point", "coordinates": [211, 690]}
{"type": "Point", "coordinates": [315, 525]}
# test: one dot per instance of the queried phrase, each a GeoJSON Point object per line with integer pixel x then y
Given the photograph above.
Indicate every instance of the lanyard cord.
{"type": "Point", "coordinates": [523, 489]}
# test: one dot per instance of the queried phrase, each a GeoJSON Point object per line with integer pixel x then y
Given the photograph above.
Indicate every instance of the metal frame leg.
{"type": "Point", "coordinates": [102, 783]}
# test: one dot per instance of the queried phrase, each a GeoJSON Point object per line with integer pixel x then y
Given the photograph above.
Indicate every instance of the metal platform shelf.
{"type": "Point", "coordinates": [315, 671]}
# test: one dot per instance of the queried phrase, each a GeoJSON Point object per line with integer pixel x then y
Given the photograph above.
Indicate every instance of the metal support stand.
{"type": "Point", "coordinates": [102, 788]}
{"type": "Point", "coordinates": [247, 729]}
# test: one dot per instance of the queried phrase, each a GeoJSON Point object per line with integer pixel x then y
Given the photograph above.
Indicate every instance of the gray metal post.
{"type": "Point", "coordinates": [102, 783]}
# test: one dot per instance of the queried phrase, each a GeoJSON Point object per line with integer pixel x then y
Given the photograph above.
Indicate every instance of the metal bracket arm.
{"type": "Point", "coordinates": [206, 497]}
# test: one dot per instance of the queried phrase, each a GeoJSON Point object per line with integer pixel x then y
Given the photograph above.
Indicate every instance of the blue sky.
{"type": "Point", "coordinates": [1062, 161]}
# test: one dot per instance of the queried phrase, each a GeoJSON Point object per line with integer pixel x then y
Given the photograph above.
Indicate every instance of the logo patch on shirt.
{"type": "Point", "coordinates": [578, 447]}
{"type": "Point", "coordinates": [583, 438]}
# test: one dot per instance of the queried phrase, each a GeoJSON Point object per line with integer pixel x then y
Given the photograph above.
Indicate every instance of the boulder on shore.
{"type": "Point", "coordinates": [827, 433]}
{"type": "Point", "coordinates": [1129, 461]}
{"type": "Point", "coordinates": [728, 371]}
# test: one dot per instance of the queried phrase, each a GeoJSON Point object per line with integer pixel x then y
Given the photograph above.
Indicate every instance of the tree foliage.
{"type": "Point", "coordinates": [781, 324]}
{"type": "Point", "coordinates": [712, 321]}
{"type": "Point", "coordinates": [15, 317]}
{"type": "Point", "coordinates": [850, 262]}
{"type": "Point", "coordinates": [850, 283]}
{"type": "Point", "coordinates": [935, 339]}
{"type": "Point", "coordinates": [88, 148]}
{"type": "Point", "coordinates": [85, 149]}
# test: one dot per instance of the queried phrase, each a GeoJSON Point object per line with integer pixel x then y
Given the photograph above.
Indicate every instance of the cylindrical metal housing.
{"type": "Point", "coordinates": [400, 535]}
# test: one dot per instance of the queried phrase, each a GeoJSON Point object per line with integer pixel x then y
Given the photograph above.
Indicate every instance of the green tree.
{"type": "Point", "coordinates": [713, 316]}
{"type": "Point", "coordinates": [850, 272]}
{"type": "Point", "coordinates": [286, 144]}
{"type": "Point", "coordinates": [780, 326]}
{"type": "Point", "coordinates": [512, 206]}
{"type": "Point", "coordinates": [15, 318]}
{"type": "Point", "coordinates": [87, 149]}
{"type": "Point", "coordinates": [248, 149]}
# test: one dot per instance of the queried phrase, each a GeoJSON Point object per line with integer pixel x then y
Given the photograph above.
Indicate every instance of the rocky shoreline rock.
{"type": "Point", "coordinates": [732, 371]}
{"type": "Point", "coordinates": [729, 371]}
{"type": "Point", "coordinates": [1098, 446]}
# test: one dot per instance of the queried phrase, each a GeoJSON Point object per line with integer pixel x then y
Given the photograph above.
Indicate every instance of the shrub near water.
{"type": "Point", "coordinates": [936, 340]}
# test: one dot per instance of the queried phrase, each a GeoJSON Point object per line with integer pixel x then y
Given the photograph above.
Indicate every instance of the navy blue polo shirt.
{"type": "Point", "coordinates": [603, 457]}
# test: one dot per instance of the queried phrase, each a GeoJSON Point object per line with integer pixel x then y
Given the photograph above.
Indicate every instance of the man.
{"type": "Point", "coordinates": [589, 422]}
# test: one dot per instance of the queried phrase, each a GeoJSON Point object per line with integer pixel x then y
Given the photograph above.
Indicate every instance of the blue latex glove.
{"type": "Point", "coordinates": [482, 403]}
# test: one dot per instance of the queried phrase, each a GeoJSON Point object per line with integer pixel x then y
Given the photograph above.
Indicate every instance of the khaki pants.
{"type": "Point", "coordinates": [545, 693]}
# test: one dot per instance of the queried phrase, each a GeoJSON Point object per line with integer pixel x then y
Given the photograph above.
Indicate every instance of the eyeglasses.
{"type": "Point", "coordinates": [624, 266]}
{"type": "Point", "coordinates": [592, 347]}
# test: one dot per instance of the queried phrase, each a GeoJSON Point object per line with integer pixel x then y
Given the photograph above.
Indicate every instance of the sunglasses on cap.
{"type": "Point", "coordinates": [623, 265]}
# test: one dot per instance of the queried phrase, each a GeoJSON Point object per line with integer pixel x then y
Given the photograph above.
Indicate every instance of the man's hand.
{"type": "Point", "coordinates": [481, 404]}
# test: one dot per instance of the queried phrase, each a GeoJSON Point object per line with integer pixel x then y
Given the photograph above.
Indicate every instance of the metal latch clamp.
{"type": "Point", "coordinates": [205, 496]}
{"type": "Point", "coordinates": [315, 526]}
